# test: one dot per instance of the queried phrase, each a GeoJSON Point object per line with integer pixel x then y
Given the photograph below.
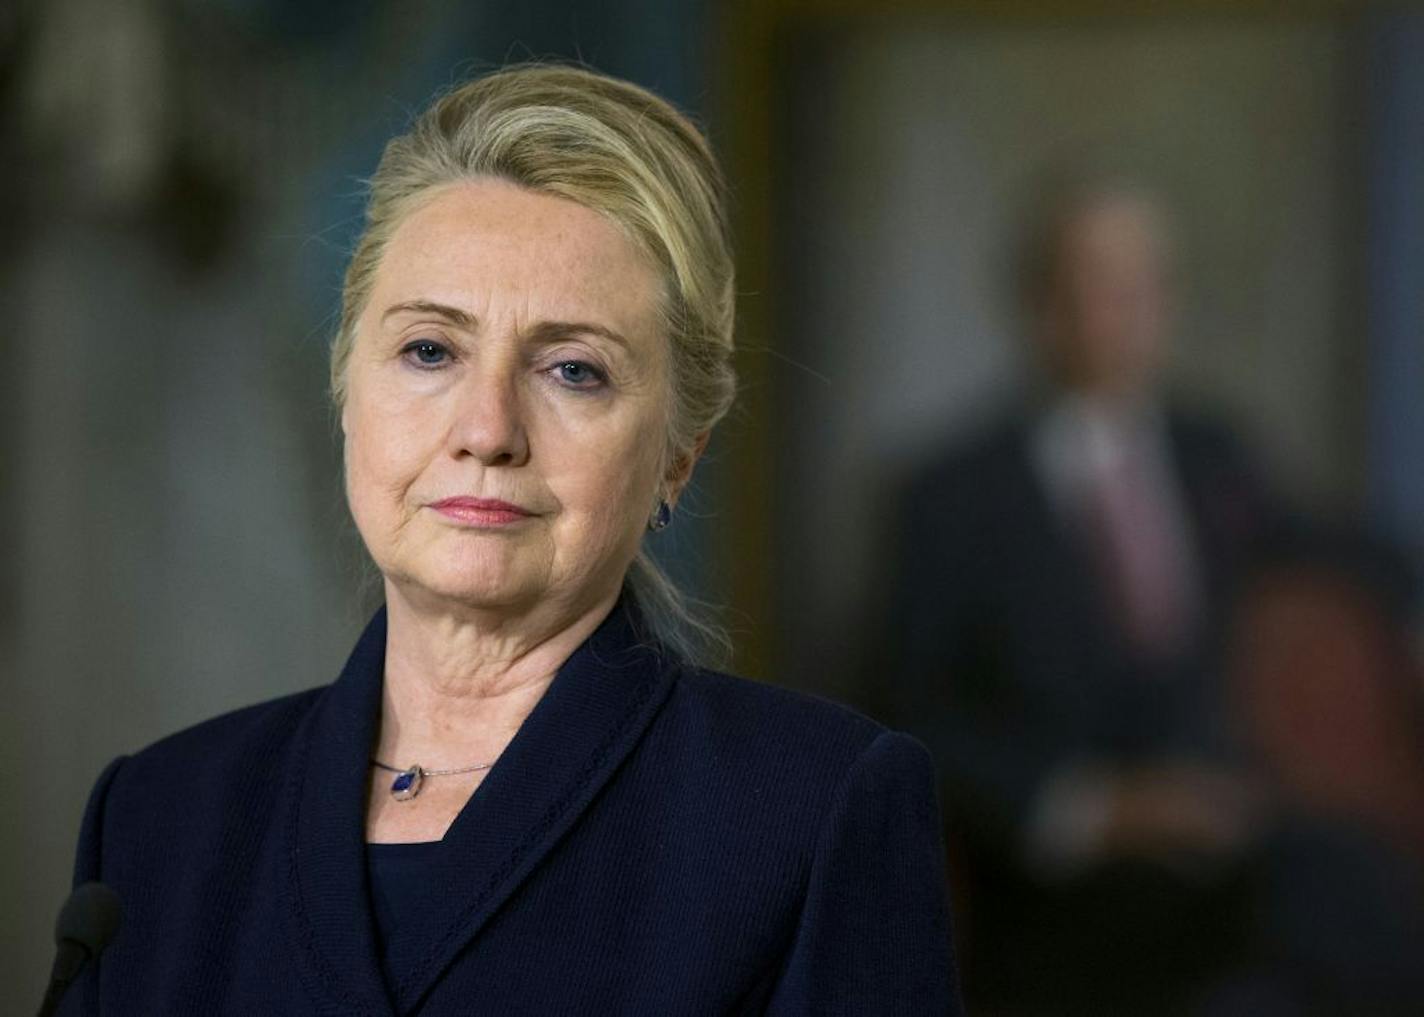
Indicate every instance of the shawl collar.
{"type": "Point", "coordinates": [588, 720]}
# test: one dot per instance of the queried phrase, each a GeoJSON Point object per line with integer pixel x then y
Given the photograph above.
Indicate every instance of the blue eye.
{"type": "Point", "coordinates": [426, 353]}
{"type": "Point", "coordinates": [577, 374]}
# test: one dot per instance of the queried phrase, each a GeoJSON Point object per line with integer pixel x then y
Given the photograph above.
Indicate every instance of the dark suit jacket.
{"type": "Point", "coordinates": [656, 839]}
{"type": "Point", "coordinates": [1006, 661]}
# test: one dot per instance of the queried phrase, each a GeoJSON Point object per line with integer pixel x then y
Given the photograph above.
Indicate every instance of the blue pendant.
{"type": "Point", "coordinates": [407, 784]}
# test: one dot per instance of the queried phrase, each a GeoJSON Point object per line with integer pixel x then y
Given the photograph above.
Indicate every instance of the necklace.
{"type": "Point", "coordinates": [407, 783]}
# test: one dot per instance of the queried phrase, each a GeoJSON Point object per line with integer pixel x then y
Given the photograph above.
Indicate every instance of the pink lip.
{"type": "Point", "coordinates": [480, 511]}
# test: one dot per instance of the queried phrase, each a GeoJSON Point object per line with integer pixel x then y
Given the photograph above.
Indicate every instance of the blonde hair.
{"type": "Point", "coordinates": [619, 150]}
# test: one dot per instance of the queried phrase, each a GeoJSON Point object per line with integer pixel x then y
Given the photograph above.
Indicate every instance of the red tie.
{"type": "Point", "coordinates": [1141, 556]}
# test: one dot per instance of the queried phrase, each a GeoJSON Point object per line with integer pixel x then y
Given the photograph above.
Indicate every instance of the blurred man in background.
{"type": "Point", "coordinates": [1058, 619]}
{"type": "Point", "coordinates": [1328, 692]}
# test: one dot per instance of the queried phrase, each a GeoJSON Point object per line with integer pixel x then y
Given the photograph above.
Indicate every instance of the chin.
{"type": "Point", "coordinates": [472, 592]}
{"type": "Point", "coordinates": [478, 580]}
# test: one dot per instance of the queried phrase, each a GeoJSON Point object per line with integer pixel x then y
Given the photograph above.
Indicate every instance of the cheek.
{"type": "Point", "coordinates": [383, 456]}
{"type": "Point", "coordinates": [607, 481]}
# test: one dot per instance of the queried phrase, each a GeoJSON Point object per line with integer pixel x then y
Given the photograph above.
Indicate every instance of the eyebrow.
{"type": "Point", "coordinates": [544, 331]}
{"type": "Point", "coordinates": [454, 315]}
{"type": "Point", "coordinates": [552, 331]}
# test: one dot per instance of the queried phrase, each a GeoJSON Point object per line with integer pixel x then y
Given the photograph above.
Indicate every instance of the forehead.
{"type": "Point", "coordinates": [1113, 223]}
{"type": "Point", "coordinates": [491, 247]}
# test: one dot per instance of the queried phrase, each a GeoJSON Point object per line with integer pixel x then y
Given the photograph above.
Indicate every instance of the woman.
{"type": "Point", "coordinates": [561, 813]}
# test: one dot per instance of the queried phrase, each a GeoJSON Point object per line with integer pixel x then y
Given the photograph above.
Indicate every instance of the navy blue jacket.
{"type": "Point", "coordinates": [656, 839]}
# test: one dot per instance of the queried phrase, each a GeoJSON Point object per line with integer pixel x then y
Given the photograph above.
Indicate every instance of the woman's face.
{"type": "Point", "coordinates": [507, 406]}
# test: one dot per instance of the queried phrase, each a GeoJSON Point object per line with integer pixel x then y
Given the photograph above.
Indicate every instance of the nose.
{"type": "Point", "coordinates": [489, 419]}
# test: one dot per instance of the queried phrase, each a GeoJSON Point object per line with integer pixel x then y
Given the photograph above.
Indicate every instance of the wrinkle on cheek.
{"type": "Point", "coordinates": [397, 480]}
{"type": "Point", "coordinates": [380, 471]}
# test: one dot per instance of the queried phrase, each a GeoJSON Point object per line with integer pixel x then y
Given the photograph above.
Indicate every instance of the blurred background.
{"type": "Point", "coordinates": [995, 258]}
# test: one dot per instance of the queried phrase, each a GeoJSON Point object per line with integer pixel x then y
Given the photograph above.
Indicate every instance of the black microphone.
{"type": "Point", "coordinates": [87, 922]}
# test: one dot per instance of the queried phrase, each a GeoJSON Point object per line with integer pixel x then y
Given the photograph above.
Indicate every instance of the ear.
{"type": "Point", "coordinates": [679, 471]}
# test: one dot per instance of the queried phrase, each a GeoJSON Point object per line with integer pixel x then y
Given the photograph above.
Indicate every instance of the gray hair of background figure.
{"type": "Point", "coordinates": [623, 152]}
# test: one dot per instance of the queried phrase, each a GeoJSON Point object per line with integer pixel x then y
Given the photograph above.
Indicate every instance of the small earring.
{"type": "Point", "coordinates": [661, 517]}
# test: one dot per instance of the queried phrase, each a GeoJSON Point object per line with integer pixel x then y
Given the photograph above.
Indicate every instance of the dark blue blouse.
{"type": "Point", "coordinates": [396, 874]}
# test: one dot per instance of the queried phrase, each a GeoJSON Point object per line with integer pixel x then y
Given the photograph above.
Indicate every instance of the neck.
{"type": "Point", "coordinates": [1112, 400]}
{"type": "Point", "coordinates": [458, 684]}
